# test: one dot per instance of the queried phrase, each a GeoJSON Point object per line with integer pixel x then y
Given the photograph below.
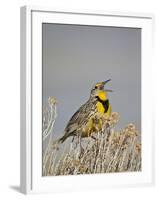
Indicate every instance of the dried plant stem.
{"type": "Point", "coordinates": [106, 151]}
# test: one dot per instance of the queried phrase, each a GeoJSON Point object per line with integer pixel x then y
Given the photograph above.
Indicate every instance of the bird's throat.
{"type": "Point", "coordinates": [102, 95]}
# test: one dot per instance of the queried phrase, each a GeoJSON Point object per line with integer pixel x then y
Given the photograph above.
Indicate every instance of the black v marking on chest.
{"type": "Point", "coordinates": [105, 104]}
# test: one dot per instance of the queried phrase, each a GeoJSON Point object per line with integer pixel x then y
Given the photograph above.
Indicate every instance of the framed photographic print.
{"type": "Point", "coordinates": [86, 118]}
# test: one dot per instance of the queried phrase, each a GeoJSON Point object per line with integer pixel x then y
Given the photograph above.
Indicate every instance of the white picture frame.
{"type": "Point", "coordinates": [31, 100]}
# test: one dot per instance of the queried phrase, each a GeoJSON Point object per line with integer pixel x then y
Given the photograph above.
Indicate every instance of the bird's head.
{"type": "Point", "coordinates": [98, 90]}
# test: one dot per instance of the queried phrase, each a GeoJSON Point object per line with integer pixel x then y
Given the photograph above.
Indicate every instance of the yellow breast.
{"type": "Point", "coordinates": [102, 96]}
{"type": "Point", "coordinates": [93, 125]}
{"type": "Point", "coordinates": [100, 108]}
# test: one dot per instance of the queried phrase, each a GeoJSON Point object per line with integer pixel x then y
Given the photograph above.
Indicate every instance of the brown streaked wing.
{"type": "Point", "coordinates": [81, 116]}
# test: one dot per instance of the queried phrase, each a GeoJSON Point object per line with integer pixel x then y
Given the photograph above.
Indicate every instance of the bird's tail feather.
{"type": "Point", "coordinates": [59, 141]}
{"type": "Point", "coordinates": [62, 139]}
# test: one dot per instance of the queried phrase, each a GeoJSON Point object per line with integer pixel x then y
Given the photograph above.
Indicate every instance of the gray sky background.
{"type": "Point", "coordinates": [76, 57]}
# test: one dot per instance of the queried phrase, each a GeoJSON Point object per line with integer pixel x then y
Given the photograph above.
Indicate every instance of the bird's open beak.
{"type": "Point", "coordinates": [104, 82]}
{"type": "Point", "coordinates": [109, 90]}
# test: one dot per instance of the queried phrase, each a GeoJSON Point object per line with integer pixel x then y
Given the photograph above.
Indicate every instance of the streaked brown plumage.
{"type": "Point", "coordinates": [90, 117]}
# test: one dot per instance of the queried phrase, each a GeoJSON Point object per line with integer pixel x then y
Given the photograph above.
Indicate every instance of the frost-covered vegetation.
{"type": "Point", "coordinates": [111, 151]}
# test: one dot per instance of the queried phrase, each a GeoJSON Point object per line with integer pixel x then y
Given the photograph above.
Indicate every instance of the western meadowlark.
{"type": "Point", "coordinates": [90, 117]}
